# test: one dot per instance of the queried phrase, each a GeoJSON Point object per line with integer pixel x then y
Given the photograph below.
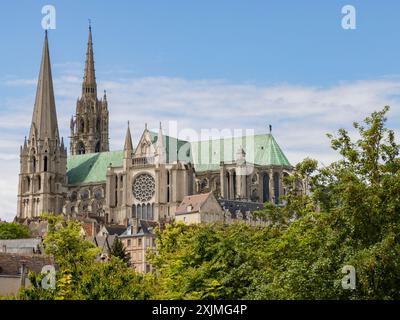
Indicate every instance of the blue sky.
{"type": "Point", "coordinates": [218, 64]}
{"type": "Point", "coordinates": [255, 41]}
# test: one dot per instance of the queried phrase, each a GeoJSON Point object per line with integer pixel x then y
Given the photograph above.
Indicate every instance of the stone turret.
{"type": "Point", "coordinates": [128, 149]}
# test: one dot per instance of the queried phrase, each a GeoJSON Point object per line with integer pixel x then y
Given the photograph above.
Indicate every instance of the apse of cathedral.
{"type": "Point", "coordinates": [147, 180]}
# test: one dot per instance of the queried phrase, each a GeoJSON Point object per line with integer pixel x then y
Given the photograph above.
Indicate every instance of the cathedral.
{"type": "Point", "coordinates": [146, 180]}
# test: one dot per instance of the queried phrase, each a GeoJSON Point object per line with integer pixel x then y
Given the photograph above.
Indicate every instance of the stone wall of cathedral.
{"type": "Point", "coordinates": [86, 201]}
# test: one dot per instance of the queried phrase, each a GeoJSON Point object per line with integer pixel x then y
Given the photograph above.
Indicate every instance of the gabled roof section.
{"type": "Point", "coordinates": [146, 227]}
{"type": "Point", "coordinates": [193, 203]}
{"type": "Point", "coordinates": [92, 167]}
{"type": "Point", "coordinates": [10, 264]}
{"type": "Point", "coordinates": [260, 150]}
{"type": "Point", "coordinates": [143, 227]}
{"type": "Point", "coordinates": [115, 229]}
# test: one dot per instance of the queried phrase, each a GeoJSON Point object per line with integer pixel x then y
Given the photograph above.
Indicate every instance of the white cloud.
{"type": "Point", "coordinates": [301, 116]}
{"type": "Point", "coordinates": [20, 82]}
{"type": "Point", "coordinates": [8, 188]}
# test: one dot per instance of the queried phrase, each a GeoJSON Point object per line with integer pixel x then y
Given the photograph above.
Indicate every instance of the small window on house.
{"type": "Point", "coordinates": [139, 242]}
{"type": "Point", "coordinates": [129, 243]}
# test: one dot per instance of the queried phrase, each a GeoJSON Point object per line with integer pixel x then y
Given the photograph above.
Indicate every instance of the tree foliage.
{"type": "Point", "coordinates": [12, 230]}
{"type": "Point", "coordinates": [80, 275]}
{"type": "Point", "coordinates": [207, 261]}
{"type": "Point", "coordinates": [347, 213]}
{"type": "Point", "coordinates": [118, 251]}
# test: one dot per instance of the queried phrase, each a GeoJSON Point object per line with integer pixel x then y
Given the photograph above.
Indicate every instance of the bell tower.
{"type": "Point", "coordinates": [89, 128]}
{"type": "Point", "coordinates": [43, 157]}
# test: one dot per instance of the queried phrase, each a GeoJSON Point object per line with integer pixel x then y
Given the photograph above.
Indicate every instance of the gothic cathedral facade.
{"type": "Point", "coordinates": [147, 181]}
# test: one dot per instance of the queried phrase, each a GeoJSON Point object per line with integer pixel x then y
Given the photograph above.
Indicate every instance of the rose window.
{"type": "Point", "coordinates": [143, 187]}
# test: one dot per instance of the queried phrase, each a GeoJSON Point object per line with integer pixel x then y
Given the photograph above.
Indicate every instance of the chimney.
{"type": "Point", "coordinates": [134, 226]}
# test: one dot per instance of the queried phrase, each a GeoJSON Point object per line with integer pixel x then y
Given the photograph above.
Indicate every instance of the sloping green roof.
{"type": "Point", "coordinates": [205, 155]}
{"type": "Point", "coordinates": [171, 145]}
{"type": "Point", "coordinates": [260, 150]}
{"type": "Point", "coordinates": [91, 167]}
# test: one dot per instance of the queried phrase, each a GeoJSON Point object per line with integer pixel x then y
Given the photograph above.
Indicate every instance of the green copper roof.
{"type": "Point", "coordinates": [171, 145]}
{"type": "Point", "coordinates": [206, 156]}
{"type": "Point", "coordinates": [91, 167]}
{"type": "Point", "coordinates": [260, 149]}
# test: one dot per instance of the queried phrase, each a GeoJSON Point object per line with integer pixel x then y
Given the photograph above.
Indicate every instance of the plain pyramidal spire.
{"type": "Point", "coordinates": [44, 119]}
{"type": "Point", "coordinates": [128, 139]}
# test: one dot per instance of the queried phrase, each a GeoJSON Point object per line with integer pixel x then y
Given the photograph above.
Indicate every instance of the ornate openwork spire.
{"type": "Point", "coordinates": [89, 80]}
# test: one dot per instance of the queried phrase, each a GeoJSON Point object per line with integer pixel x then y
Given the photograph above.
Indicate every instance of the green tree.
{"type": "Point", "coordinates": [357, 224]}
{"type": "Point", "coordinates": [66, 242]}
{"type": "Point", "coordinates": [207, 261]}
{"type": "Point", "coordinates": [12, 230]}
{"type": "Point", "coordinates": [297, 201]}
{"type": "Point", "coordinates": [80, 275]}
{"type": "Point", "coordinates": [118, 250]}
{"type": "Point", "coordinates": [347, 213]}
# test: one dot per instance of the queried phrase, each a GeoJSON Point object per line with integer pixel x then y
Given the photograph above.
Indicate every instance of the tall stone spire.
{"type": "Point", "coordinates": [89, 85]}
{"type": "Point", "coordinates": [43, 158]}
{"type": "Point", "coordinates": [44, 119]}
